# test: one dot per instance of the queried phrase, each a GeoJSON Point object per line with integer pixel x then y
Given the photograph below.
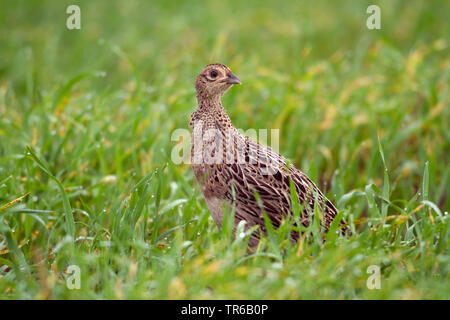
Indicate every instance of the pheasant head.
{"type": "Point", "coordinates": [214, 80]}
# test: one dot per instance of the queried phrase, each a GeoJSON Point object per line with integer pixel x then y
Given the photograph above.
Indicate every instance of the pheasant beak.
{"type": "Point", "coordinates": [232, 79]}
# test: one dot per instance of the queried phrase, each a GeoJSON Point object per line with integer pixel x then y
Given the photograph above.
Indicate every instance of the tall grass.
{"type": "Point", "coordinates": [86, 176]}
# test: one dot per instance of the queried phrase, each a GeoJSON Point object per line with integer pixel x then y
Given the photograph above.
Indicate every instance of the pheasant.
{"type": "Point", "coordinates": [236, 172]}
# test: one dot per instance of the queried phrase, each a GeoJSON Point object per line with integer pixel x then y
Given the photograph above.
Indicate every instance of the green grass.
{"type": "Point", "coordinates": [86, 118]}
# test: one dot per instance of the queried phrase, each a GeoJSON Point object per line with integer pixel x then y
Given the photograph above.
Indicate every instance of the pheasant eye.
{"type": "Point", "coordinates": [214, 74]}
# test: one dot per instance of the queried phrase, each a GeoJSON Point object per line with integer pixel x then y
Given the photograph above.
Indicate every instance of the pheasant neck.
{"type": "Point", "coordinates": [210, 104]}
{"type": "Point", "coordinates": [212, 112]}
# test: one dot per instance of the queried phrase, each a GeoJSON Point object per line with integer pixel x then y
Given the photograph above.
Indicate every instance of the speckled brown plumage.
{"type": "Point", "coordinates": [231, 168]}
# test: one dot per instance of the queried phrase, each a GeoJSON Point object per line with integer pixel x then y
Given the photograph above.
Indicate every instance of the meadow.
{"type": "Point", "coordinates": [87, 179]}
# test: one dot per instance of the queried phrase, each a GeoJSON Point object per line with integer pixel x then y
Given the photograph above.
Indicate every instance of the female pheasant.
{"type": "Point", "coordinates": [235, 171]}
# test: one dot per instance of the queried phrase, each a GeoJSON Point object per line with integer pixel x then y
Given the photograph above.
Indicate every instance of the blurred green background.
{"type": "Point", "coordinates": [97, 107]}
